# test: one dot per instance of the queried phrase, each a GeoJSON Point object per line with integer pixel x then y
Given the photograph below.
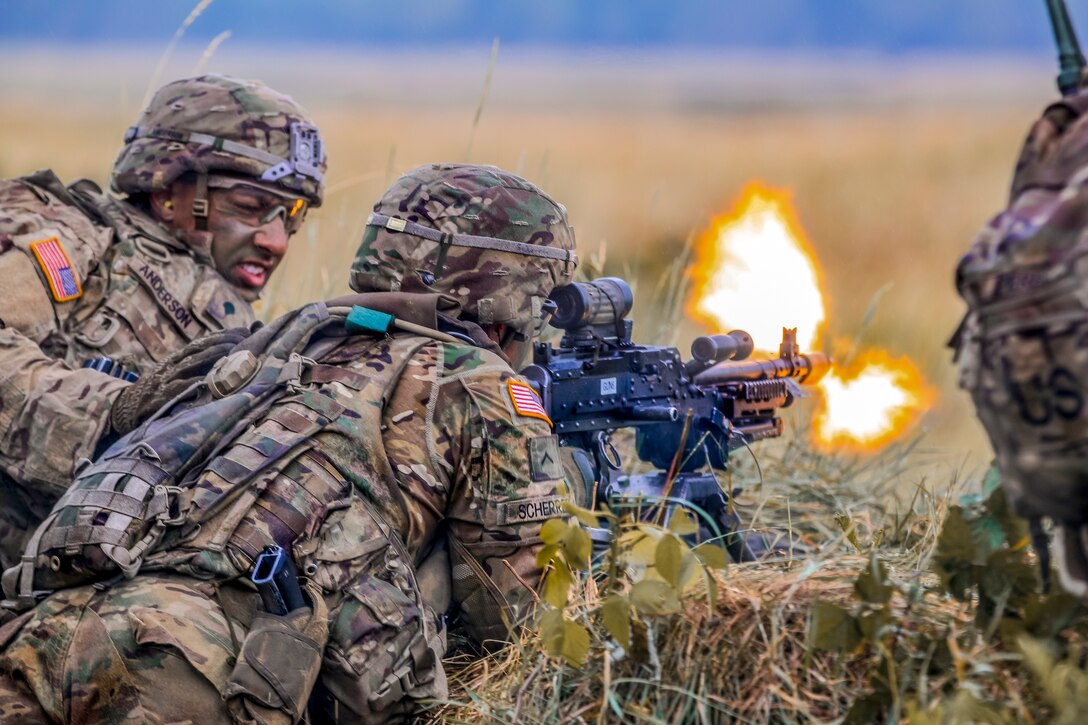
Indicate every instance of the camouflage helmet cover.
{"type": "Point", "coordinates": [215, 123]}
{"type": "Point", "coordinates": [492, 240]}
{"type": "Point", "coordinates": [1023, 346]}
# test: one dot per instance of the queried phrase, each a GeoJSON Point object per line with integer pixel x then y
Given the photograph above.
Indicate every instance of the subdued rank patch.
{"type": "Point", "coordinates": [525, 401]}
{"type": "Point", "coordinates": [544, 463]}
{"type": "Point", "coordinates": [530, 509]}
{"type": "Point", "coordinates": [58, 269]}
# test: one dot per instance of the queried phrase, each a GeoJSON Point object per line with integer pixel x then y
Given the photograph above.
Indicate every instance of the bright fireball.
{"type": "Point", "coordinates": [870, 402]}
{"type": "Point", "coordinates": [759, 245]}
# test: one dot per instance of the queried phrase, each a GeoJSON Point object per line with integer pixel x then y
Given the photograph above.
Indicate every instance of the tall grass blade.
{"type": "Point", "coordinates": [483, 97]}
{"type": "Point", "coordinates": [209, 52]}
{"type": "Point", "coordinates": [153, 85]}
{"type": "Point", "coordinates": [870, 312]}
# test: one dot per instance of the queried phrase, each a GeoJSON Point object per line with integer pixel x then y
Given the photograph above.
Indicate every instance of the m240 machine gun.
{"type": "Point", "coordinates": [687, 416]}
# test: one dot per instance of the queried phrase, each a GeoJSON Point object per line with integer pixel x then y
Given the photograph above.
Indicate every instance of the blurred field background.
{"type": "Point", "coordinates": [893, 164]}
{"type": "Point", "coordinates": [894, 126]}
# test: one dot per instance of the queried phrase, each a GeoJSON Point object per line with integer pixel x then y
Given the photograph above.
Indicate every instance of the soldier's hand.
{"type": "Point", "coordinates": [172, 377]}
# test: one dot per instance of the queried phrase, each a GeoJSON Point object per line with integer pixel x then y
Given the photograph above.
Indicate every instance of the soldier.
{"type": "Point", "coordinates": [1023, 345]}
{"type": "Point", "coordinates": [362, 444]}
{"type": "Point", "coordinates": [97, 290]}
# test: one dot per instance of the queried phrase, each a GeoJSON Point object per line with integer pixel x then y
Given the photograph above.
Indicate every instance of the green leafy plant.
{"type": "Point", "coordinates": [963, 666]}
{"type": "Point", "coordinates": [646, 571]}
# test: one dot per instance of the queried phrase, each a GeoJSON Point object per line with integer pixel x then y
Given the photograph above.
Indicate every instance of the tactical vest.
{"type": "Point", "coordinates": [233, 466]}
{"type": "Point", "coordinates": [134, 294]}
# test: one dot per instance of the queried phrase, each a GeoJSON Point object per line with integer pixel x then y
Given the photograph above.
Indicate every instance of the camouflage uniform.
{"type": "Point", "coordinates": [378, 451]}
{"type": "Point", "coordinates": [1022, 346]}
{"type": "Point", "coordinates": [86, 276]}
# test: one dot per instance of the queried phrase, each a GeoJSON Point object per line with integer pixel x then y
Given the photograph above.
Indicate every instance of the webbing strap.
{"type": "Point", "coordinates": [222, 144]}
{"type": "Point", "coordinates": [200, 202]}
{"type": "Point", "coordinates": [320, 373]}
{"type": "Point", "coordinates": [469, 240]}
{"type": "Point", "coordinates": [141, 468]}
{"type": "Point", "coordinates": [59, 537]}
{"type": "Point", "coordinates": [24, 595]}
{"type": "Point", "coordinates": [124, 507]}
{"type": "Point", "coordinates": [991, 330]}
{"type": "Point", "coordinates": [114, 501]}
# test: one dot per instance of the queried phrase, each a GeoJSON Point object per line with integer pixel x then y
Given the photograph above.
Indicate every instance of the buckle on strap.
{"type": "Point", "coordinates": [105, 332]}
{"type": "Point", "coordinates": [18, 581]}
{"type": "Point", "coordinates": [163, 507]}
{"type": "Point", "coordinates": [292, 372]}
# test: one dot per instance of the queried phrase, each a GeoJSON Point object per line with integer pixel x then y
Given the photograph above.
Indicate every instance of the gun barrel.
{"type": "Point", "coordinates": [807, 368]}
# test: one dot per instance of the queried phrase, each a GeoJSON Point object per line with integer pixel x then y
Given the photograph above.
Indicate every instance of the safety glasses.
{"type": "Point", "coordinates": [256, 205]}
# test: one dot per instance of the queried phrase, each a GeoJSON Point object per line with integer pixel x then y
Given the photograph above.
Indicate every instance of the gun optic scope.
{"type": "Point", "coordinates": [603, 301]}
{"type": "Point", "coordinates": [737, 345]}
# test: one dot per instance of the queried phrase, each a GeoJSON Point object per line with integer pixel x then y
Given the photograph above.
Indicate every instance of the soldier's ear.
{"type": "Point", "coordinates": [162, 205]}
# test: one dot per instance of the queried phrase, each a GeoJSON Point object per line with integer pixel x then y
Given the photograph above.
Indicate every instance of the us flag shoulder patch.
{"type": "Point", "coordinates": [58, 269]}
{"type": "Point", "coordinates": [525, 401]}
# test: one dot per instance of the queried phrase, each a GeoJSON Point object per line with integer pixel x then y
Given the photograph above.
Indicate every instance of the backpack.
{"type": "Point", "coordinates": [120, 506]}
{"type": "Point", "coordinates": [1023, 344]}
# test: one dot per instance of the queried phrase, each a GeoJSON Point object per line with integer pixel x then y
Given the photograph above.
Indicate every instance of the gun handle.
{"type": "Point", "coordinates": [580, 474]}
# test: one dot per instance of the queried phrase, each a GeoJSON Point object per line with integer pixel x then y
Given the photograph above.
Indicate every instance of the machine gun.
{"type": "Point", "coordinates": [687, 416]}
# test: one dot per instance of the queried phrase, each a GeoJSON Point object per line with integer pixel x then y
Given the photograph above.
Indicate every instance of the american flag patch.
{"type": "Point", "coordinates": [58, 269]}
{"type": "Point", "coordinates": [525, 401]}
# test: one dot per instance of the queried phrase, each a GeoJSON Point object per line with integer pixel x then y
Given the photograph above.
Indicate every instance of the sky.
{"type": "Point", "coordinates": [879, 26]}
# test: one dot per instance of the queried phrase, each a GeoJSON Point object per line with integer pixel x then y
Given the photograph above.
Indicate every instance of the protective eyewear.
{"type": "Point", "coordinates": [256, 205]}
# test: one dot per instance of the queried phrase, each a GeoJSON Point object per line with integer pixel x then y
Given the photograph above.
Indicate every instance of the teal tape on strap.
{"type": "Point", "coordinates": [364, 320]}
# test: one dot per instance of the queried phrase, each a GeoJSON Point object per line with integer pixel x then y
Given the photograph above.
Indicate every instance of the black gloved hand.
{"type": "Point", "coordinates": [171, 377]}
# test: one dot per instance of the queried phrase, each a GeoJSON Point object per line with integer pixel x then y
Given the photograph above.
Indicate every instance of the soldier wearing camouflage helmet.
{"type": "Point", "coordinates": [368, 437]}
{"type": "Point", "coordinates": [1023, 344]}
{"type": "Point", "coordinates": [217, 174]}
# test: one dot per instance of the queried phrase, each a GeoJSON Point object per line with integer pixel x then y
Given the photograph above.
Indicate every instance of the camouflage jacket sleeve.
{"type": "Point", "coordinates": [483, 460]}
{"type": "Point", "coordinates": [50, 415]}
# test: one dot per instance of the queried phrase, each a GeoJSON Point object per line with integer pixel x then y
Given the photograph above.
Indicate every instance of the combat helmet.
{"type": "Point", "coordinates": [490, 239]}
{"type": "Point", "coordinates": [215, 124]}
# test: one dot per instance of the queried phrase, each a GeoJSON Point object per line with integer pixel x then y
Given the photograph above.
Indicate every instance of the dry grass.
{"type": "Point", "coordinates": [747, 659]}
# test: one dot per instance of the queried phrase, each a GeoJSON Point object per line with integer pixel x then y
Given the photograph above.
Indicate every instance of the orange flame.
{"type": "Point", "coordinates": [759, 245]}
{"type": "Point", "coordinates": [870, 402]}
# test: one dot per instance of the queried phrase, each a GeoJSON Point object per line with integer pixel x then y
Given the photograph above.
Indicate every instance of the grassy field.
{"type": "Point", "coordinates": [892, 171]}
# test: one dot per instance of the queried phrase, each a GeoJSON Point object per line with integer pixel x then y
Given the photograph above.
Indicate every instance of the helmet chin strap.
{"type": "Point", "coordinates": [517, 347]}
{"type": "Point", "coordinates": [200, 202]}
{"type": "Point", "coordinates": [200, 242]}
